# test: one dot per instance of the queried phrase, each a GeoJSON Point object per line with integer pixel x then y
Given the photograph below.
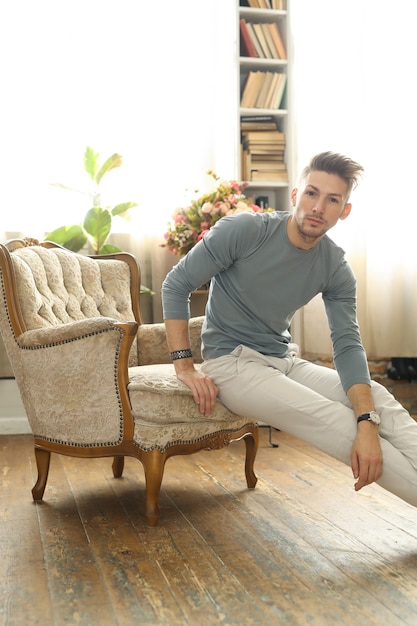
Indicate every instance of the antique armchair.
{"type": "Point", "coordinates": [94, 380]}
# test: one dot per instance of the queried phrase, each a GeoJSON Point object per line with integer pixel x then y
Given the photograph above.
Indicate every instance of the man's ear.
{"type": "Point", "coordinates": [294, 196]}
{"type": "Point", "coordinates": [347, 209]}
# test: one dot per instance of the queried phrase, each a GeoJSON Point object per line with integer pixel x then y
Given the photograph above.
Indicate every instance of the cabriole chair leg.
{"type": "Point", "coordinates": [118, 466]}
{"type": "Point", "coordinates": [251, 442]}
{"type": "Point", "coordinates": [43, 458]}
{"type": "Point", "coordinates": [154, 464]}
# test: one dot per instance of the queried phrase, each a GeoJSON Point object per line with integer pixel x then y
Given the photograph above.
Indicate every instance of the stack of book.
{"type": "Point", "coordinates": [280, 5]}
{"type": "Point", "coordinates": [263, 90]}
{"type": "Point", "coordinates": [262, 154]}
{"type": "Point", "coordinates": [261, 40]}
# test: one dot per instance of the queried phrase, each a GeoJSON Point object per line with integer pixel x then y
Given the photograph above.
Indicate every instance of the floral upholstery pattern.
{"type": "Point", "coordinates": [55, 286]}
{"type": "Point", "coordinates": [93, 379]}
{"type": "Point", "coordinates": [65, 362]}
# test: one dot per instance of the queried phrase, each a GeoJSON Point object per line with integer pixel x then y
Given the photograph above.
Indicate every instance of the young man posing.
{"type": "Point", "coordinates": [263, 268]}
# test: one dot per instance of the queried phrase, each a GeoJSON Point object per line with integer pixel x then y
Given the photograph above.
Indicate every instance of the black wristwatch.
{"type": "Point", "coordinates": [370, 417]}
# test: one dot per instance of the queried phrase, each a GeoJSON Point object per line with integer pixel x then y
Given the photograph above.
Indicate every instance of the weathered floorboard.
{"type": "Point", "coordinates": [301, 548]}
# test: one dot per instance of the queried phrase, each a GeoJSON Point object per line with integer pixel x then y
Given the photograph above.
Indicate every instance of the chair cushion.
{"type": "Point", "coordinates": [165, 412]}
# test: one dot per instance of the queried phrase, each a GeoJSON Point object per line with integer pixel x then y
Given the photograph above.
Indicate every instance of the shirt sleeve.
{"type": "Point", "coordinates": [348, 352]}
{"type": "Point", "coordinates": [215, 252]}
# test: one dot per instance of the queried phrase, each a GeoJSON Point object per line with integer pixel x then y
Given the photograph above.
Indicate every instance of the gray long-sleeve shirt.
{"type": "Point", "coordinates": [258, 281]}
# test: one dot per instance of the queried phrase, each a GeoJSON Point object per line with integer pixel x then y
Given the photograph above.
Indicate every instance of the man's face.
{"type": "Point", "coordinates": [318, 204]}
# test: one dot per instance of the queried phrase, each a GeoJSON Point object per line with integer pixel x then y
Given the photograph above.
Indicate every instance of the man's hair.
{"type": "Point", "coordinates": [333, 163]}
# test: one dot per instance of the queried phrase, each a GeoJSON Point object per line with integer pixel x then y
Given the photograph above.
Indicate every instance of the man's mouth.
{"type": "Point", "coordinates": [315, 221]}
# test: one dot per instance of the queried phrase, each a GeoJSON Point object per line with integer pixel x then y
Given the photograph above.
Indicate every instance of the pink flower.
{"type": "Point", "coordinates": [203, 232]}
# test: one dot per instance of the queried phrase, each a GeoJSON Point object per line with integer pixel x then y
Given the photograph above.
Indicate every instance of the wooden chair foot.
{"type": "Point", "coordinates": [43, 458]}
{"type": "Point", "coordinates": [118, 466]}
{"type": "Point", "coordinates": [154, 464]}
{"type": "Point", "coordinates": [251, 442]}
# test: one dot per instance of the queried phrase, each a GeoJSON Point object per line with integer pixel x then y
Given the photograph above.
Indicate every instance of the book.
{"type": "Point", "coordinates": [262, 41]}
{"type": "Point", "coordinates": [271, 92]}
{"type": "Point", "coordinates": [263, 92]}
{"type": "Point", "coordinates": [273, 175]}
{"type": "Point", "coordinates": [257, 118]}
{"type": "Point", "coordinates": [246, 45]}
{"type": "Point", "coordinates": [265, 154]}
{"type": "Point", "coordinates": [255, 41]}
{"type": "Point", "coordinates": [279, 5]}
{"type": "Point", "coordinates": [268, 164]}
{"type": "Point", "coordinates": [264, 136]}
{"type": "Point", "coordinates": [255, 125]}
{"type": "Point", "coordinates": [275, 103]}
{"type": "Point", "coordinates": [271, 45]}
{"type": "Point", "coordinates": [251, 90]}
{"type": "Point", "coordinates": [247, 89]}
{"type": "Point", "coordinates": [278, 41]}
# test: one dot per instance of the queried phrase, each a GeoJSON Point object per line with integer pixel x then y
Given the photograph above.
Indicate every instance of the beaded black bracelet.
{"type": "Point", "coordinates": [180, 354]}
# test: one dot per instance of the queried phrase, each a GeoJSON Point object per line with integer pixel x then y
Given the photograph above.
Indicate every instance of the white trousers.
{"type": "Point", "coordinates": [308, 401]}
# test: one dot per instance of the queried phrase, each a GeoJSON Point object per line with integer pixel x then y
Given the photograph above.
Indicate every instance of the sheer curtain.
{"type": "Point", "coordinates": [157, 82]}
{"type": "Point", "coordinates": [354, 93]}
{"type": "Point", "coordinates": [154, 81]}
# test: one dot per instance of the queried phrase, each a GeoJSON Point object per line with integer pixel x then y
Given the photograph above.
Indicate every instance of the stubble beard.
{"type": "Point", "coordinates": [309, 234]}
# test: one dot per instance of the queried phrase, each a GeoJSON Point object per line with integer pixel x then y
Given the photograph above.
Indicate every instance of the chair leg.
{"type": "Point", "coordinates": [154, 464]}
{"type": "Point", "coordinates": [118, 466]}
{"type": "Point", "coordinates": [43, 458]}
{"type": "Point", "coordinates": [251, 442]}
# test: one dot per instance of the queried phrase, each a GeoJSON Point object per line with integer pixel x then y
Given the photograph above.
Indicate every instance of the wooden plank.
{"type": "Point", "coordinates": [301, 552]}
{"type": "Point", "coordinates": [343, 527]}
{"type": "Point", "coordinates": [301, 548]}
{"type": "Point", "coordinates": [74, 579]}
{"type": "Point", "coordinates": [132, 579]}
{"type": "Point", "coordinates": [20, 542]}
{"type": "Point", "coordinates": [284, 587]}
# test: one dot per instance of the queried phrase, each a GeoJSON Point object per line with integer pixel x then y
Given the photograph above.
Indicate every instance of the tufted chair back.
{"type": "Point", "coordinates": [55, 287]}
{"type": "Point", "coordinates": [93, 379]}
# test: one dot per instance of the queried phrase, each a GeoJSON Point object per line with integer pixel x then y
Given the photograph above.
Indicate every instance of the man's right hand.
{"type": "Point", "coordinates": [203, 389]}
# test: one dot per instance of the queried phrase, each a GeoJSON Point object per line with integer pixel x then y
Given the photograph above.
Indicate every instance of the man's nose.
{"type": "Point", "coordinates": [319, 206]}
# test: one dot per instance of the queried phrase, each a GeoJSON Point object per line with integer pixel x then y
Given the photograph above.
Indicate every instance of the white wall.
{"type": "Point", "coordinates": [13, 420]}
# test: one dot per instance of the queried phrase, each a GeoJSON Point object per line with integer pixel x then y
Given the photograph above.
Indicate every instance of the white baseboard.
{"type": "Point", "coordinates": [14, 426]}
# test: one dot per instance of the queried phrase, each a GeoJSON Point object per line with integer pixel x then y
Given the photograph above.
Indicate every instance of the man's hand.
{"type": "Point", "coordinates": [203, 389]}
{"type": "Point", "coordinates": [366, 455]}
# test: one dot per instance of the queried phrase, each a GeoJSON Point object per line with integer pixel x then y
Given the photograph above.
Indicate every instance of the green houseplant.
{"type": "Point", "coordinates": [96, 227]}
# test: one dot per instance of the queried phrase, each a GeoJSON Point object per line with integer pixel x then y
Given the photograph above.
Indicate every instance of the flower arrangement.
{"type": "Point", "coordinates": [189, 225]}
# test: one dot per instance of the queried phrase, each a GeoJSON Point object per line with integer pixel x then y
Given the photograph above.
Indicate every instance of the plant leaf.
{"type": "Point", "coordinates": [146, 290]}
{"type": "Point", "coordinates": [108, 248]}
{"type": "Point", "coordinates": [112, 162]}
{"type": "Point", "coordinates": [97, 223]}
{"type": "Point", "coordinates": [71, 237]}
{"type": "Point", "coordinates": [120, 209]}
{"type": "Point", "coordinates": [91, 162]}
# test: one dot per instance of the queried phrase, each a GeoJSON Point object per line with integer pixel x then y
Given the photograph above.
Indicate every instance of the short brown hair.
{"type": "Point", "coordinates": [333, 163]}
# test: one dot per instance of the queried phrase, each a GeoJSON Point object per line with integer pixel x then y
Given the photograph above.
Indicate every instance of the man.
{"type": "Point", "coordinates": [263, 268]}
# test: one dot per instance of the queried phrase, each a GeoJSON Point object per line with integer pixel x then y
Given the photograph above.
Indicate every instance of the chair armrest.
{"type": "Point", "coordinates": [152, 342]}
{"type": "Point", "coordinates": [50, 335]}
{"type": "Point", "coordinates": [73, 380]}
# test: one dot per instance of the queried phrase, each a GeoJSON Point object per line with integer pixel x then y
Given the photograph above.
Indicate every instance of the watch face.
{"type": "Point", "coordinates": [374, 417]}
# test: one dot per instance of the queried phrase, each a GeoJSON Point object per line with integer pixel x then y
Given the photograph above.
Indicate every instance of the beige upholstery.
{"type": "Point", "coordinates": [94, 380]}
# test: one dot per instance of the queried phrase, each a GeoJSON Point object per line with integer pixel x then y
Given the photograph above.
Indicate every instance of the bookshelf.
{"type": "Point", "coordinates": [265, 101]}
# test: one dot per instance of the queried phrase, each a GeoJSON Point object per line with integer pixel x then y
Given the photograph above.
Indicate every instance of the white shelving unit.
{"type": "Point", "coordinates": [277, 192]}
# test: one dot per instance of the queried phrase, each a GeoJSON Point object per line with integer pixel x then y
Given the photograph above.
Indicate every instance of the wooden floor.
{"type": "Point", "coordinates": [302, 548]}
